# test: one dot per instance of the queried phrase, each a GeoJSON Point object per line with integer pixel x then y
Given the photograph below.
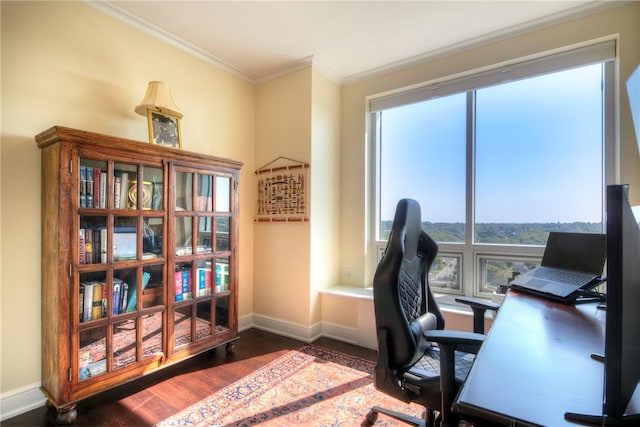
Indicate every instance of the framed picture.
{"type": "Point", "coordinates": [164, 129]}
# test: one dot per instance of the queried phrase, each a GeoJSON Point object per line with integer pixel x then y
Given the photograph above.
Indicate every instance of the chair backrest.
{"type": "Point", "coordinates": [404, 305]}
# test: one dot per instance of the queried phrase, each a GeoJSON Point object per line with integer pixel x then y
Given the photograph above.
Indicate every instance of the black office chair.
{"type": "Point", "coordinates": [408, 321]}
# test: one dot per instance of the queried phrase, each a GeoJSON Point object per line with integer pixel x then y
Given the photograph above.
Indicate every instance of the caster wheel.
{"type": "Point", "coordinates": [438, 421]}
{"type": "Point", "coordinates": [370, 419]}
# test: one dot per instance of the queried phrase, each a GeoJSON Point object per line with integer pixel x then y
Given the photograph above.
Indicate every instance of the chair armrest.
{"type": "Point", "coordinates": [478, 303]}
{"type": "Point", "coordinates": [479, 307]}
{"type": "Point", "coordinates": [455, 339]}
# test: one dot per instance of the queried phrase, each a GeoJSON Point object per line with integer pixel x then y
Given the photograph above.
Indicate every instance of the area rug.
{"type": "Point", "coordinates": [310, 386]}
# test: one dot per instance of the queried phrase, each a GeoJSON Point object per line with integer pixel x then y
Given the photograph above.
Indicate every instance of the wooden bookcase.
{"type": "Point", "coordinates": [172, 252]}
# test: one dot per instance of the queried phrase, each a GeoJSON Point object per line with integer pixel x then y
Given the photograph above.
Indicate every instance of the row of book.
{"type": "Point", "coordinates": [183, 282]}
{"type": "Point", "coordinates": [222, 277]}
{"type": "Point", "coordinates": [92, 246]}
{"type": "Point", "coordinates": [93, 299]}
{"type": "Point", "coordinates": [93, 189]}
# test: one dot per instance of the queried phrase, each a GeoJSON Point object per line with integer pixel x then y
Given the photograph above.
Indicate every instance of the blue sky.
{"type": "Point", "coordinates": [538, 152]}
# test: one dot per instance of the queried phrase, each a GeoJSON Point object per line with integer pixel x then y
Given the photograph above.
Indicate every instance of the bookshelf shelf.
{"type": "Point", "coordinates": [131, 284]}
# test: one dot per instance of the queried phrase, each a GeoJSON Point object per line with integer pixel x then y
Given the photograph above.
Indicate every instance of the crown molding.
{"type": "Point", "coordinates": [166, 37]}
{"type": "Point", "coordinates": [309, 61]}
{"type": "Point", "coordinates": [285, 69]}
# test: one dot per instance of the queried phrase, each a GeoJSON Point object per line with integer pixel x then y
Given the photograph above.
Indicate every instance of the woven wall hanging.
{"type": "Point", "coordinates": [282, 191]}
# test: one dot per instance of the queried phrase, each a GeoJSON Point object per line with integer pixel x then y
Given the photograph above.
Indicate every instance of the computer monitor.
{"type": "Point", "coordinates": [622, 339]}
{"type": "Point", "coordinates": [633, 93]}
{"type": "Point", "coordinates": [622, 330]}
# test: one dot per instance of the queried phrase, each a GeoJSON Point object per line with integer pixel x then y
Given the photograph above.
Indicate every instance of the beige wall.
{"type": "Point", "coordinates": [298, 117]}
{"type": "Point", "coordinates": [623, 22]}
{"type": "Point", "coordinates": [281, 250]}
{"type": "Point", "coordinates": [325, 188]}
{"type": "Point", "coordinates": [64, 63]}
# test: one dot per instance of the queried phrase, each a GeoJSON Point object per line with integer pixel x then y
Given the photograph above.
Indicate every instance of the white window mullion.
{"type": "Point", "coordinates": [468, 273]}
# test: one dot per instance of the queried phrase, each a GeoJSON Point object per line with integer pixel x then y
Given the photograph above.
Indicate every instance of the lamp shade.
{"type": "Point", "coordinates": [158, 97]}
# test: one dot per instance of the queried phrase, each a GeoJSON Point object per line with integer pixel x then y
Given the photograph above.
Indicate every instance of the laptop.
{"type": "Point", "coordinates": [571, 267]}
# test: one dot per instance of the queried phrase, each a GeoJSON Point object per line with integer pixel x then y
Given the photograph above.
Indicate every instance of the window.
{"type": "Point", "coordinates": [496, 165]}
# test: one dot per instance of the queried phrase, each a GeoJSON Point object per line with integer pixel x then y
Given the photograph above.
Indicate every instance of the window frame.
{"type": "Point", "coordinates": [472, 254]}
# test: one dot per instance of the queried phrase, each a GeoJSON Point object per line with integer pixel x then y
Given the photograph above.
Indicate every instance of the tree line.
{"type": "Point", "coordinates": [499, 233]}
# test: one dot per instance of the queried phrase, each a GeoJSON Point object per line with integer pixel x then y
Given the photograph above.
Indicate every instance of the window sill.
{"type": "Point", "coordinates": [445, 301]}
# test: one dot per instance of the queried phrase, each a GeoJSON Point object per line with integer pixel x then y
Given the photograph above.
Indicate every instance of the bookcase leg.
{"type": "Point", "coordinates": [231, 347]}
{"type": "Point", "coordinates": [66, 415]}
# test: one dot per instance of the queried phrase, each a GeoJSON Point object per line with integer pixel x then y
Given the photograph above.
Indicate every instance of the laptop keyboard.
{"type": "Point", "coordinates": [571, 277]}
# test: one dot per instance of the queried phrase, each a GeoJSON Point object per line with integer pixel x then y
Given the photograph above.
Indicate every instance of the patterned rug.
{"type": "Point", "coordinates": [311, 386]}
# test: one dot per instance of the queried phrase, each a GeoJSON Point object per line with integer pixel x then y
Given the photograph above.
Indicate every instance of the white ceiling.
{"type": "Point", "coordinates": [347, 40]}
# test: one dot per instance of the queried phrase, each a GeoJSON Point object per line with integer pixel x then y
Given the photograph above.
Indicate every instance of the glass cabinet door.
{"type": "Point", "coordinates": [201, 281]}
{"type": "Point", "coordinates": [121, 266]}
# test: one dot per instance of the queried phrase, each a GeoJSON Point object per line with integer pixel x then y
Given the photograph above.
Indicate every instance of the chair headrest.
{"type": "Point", "coordinates": [407, 226]}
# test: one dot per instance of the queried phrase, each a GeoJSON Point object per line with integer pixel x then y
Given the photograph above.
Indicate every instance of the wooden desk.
{"type": "Point", "coordinates": [535, 364]}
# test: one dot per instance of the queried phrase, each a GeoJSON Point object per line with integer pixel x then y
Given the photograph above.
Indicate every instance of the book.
{"type": "Point", "coordinates": [124, 189]}
{"type": "Point", "coordinates": [105, 301]}
{"type": "Point", "coordinates": [103, 190]}
{"type": "Point", "coordinates": [200, 281]}
{"type": "Point", "coordinates": [89, 187]}
{"type": "Point", "coordinates": [88, 246]}
{"type": "Point", "coordinates": [132, 297]}
{"type": "Point", "coordinates": [81, 303]}
{"type": "Point", "coordinates": [124, 297]}
{"type": "Point", "coordinates": [117, 183]}
{"type": "Point", "coordinates": [83, 186]}
{"type": "Point", "coordinates": [96, 188]}
{"type": "Point", "coordinates": [204, 282]}
{"type": "Point", "coordinates": [88, 301]}
{"type": "Point", "coordinates": [177, 279]}
{"type": "Point", "coordinates": [81, 248]}
{"type": "Point", "coordinates": [116, 297]}
{"type": "Point", "coordinates": [146, 276]}
{"type": "Point", "coordinates": [96, 303]}
{"type": "Point", "coordinates": [187, 285]}
{"type": "Point", "coordinates": [97, 244]}
{"type": "Point", "coordinates": [120, 193]}
{"type": "Point", "coordinates": [222, 277]}
{"type": "Point", "coordinates": [103, 245]}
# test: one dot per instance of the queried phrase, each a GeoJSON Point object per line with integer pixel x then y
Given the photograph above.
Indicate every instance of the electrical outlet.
{"type": "Point", "coordinates": [348, 272]}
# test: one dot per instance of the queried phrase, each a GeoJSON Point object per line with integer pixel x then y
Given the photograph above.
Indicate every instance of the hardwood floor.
{"type": "Point", "coordinates": [155, 397]}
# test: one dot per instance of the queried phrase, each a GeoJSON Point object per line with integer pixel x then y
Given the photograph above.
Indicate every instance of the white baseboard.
{"type": "Point", "coordinates": [245, 322]}
{"type": "Point", "coordinates": [21, 400]}
{"type": "Point", "coordinates": [288, 329]}
{"type": "Point", "coordinates": [340, 333]}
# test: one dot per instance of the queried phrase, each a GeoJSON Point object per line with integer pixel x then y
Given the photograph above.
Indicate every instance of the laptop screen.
{"type": "Point", "coordinates": [585, 252]}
